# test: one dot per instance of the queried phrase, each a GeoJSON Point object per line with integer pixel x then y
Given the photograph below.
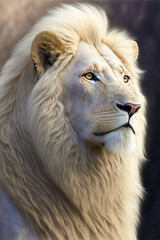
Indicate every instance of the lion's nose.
{"type": "Point", "coordinates": [130, 108]}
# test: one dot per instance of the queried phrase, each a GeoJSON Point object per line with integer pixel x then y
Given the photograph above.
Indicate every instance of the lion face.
{"type": "Point", "coordinates": [101, 99]}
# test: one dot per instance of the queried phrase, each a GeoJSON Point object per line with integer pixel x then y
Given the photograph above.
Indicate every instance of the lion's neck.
{"type": "Point", "coordinates": [100, 187]}
{"type": "Point", "coordinates": [97, 178]}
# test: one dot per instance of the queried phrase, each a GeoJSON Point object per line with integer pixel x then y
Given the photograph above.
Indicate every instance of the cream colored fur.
{"type": "Point", "coordinates": [69, 187]}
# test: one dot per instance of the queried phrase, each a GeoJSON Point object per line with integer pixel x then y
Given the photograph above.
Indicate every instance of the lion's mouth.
{"type": "Point", "coordinates": [126, 125]}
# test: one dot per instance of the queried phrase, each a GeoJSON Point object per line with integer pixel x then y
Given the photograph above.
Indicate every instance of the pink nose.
{"type": "Point", "coordinates": [129, 108]}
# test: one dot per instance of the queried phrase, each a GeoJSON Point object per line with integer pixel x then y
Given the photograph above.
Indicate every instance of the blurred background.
{"type": "Point", "coordinates": [142, 20]}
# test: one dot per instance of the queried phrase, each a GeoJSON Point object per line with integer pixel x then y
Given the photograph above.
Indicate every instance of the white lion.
{"type": "Point", "coordinates": [72, 120]}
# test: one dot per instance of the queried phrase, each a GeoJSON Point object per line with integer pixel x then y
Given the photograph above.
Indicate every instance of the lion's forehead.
{"type": "Point", "coordinates": [110, 57]}
{"type": "Point", "coordinates": [102, 59]}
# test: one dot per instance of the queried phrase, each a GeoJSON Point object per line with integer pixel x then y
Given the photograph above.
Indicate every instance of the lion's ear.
{"type": "Point", "coordinates": [135, 49]}
{"type": "Point", "coordinates": [46, 48]}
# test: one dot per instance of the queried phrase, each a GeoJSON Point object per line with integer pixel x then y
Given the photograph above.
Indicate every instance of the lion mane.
{"type": "Point", "coordinates": [65, 190]}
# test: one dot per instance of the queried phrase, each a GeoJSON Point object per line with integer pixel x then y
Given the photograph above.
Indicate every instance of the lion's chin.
{"type": "Point", "coordinates": [121, 141]}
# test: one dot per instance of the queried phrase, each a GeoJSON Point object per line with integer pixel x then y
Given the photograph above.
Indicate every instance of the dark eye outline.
{"type": "Point", "coordinates": [126, 78]}
{"type": "Point", "coordinates": [94, 78]}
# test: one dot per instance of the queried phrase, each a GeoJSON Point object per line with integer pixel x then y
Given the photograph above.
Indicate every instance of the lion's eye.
{"type": "Point", "coordinates": [126, 78]}
{"type": "Point", "coordinates": [90, 76]}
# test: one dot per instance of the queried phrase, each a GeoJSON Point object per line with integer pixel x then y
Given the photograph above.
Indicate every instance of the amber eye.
{"type": "Point", "coordinates": [126, 78]}
{"type": "Point", "coordinates": [90, 76]}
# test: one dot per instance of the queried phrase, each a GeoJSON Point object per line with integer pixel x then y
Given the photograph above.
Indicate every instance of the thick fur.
{"type": "Point", "coordinates": [65, 189]}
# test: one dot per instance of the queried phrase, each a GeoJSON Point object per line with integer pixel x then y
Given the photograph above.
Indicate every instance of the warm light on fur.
{"type": "Point", "coordinates": [66, 160]}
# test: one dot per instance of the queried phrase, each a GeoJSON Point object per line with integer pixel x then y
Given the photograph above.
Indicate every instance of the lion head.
{"type": "Point", "coordinates": [101, 94]}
